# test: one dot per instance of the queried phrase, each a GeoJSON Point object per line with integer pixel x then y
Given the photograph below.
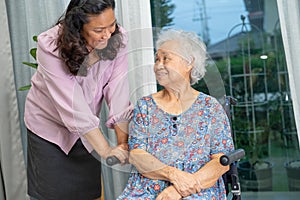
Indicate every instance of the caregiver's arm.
{"type": "Point", "coordinates": [101, 146]}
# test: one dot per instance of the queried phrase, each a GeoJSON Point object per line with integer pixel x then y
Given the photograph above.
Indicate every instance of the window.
{"type": "Point", "coordinates": [243, 40]}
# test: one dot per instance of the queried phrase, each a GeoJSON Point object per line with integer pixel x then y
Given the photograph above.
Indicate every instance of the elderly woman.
{"type": "Point", "coordinates": [178, 134]}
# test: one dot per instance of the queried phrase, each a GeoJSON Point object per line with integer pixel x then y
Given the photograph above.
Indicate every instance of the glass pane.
{"type": "Point", "coordinates": [243, 39]}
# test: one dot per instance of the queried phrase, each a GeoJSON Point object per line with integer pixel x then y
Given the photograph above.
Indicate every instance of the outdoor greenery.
{"type": "Point", "coordinates": [161, 11]}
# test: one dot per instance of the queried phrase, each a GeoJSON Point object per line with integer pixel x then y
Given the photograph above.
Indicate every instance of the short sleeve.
{"type": "Point", "coordinates": [139, 127]}
{"type": "Point", "coordinates": [219, 128]}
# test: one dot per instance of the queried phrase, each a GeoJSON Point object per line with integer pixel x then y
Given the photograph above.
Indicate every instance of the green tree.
{"type": "Point", "coordinates": [161, 11]}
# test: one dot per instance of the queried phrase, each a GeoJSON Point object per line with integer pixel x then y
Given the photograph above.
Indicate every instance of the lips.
{"type": "Point", "coordinates": [101, 44]}
{"type": "Point", "coordinates": [161, 73]}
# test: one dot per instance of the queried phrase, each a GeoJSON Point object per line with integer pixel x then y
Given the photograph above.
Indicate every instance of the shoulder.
{"type": "Point", "coordinates": [212, 106]}
{"type": "Point", "coordinates": [48, 55]}
{"type": "Point", "coordinates": [47, 41]}
{"type": "Point", "coordinates": [124, 34]}
{"type": "Point", "coordinates": [144, 101]}
{"type": "Point", "coordinates": [208, 100]}
{"type": "Point", "coordinates": [142, 109]}
{"type": "Point", "coordinates": [144, 104]}
{"type": "Point", "coordinates": [209, 104]}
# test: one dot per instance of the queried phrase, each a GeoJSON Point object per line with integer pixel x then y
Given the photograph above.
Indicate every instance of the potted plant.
{"type": "Point", "coordinates": [32, 52]}
{"type": "Point", "coordinates": [292, 165]}
{"type": "Point", "coordinates": [255, 172]}
{"type": "Point", "coordinates": [293, 174]}
{"type": "Point", "coordinates": [251, 124]}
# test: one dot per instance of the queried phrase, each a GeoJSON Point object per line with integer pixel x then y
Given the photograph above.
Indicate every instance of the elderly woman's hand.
{"type": "Point", "coordinates": [185, 183]}
{"type": "Point", "coordinates": [169, 193]}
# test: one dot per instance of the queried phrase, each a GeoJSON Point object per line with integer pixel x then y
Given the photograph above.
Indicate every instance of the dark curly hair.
{"type": "Point", "coordinates": [72, 44]}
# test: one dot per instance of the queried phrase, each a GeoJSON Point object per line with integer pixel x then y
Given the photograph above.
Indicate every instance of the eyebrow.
{"type": "Point", "coordinates": [164, 53]}
{"type": "Point", "coordinates": [108, 25]}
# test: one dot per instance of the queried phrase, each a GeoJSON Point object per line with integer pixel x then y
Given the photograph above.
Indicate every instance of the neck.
{"type": "Point", "coordinates": [179, 93]}
{"type": "Point", "coordinates": [176, 101]}
{"type": "Point", "coordinates": [92, 58]}
{"type": "Point", "coordinates": [89, 48]}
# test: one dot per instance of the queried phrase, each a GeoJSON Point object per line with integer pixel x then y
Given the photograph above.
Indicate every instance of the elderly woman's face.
{"type": "Point", "coordinates": [99, 29]}
{"type": "Point", "coordinates": [170, 66]}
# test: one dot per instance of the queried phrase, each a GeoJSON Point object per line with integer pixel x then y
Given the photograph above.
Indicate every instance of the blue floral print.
{"type": "Point", "coordinates": [185, 141]}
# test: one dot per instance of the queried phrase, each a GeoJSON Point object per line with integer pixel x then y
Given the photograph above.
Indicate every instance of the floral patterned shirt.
{"type": "Point", "coordinates": [185, 141]}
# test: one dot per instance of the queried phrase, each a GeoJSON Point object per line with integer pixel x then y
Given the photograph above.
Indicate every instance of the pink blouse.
{"type": "Point", "coordinates": [61, 107]}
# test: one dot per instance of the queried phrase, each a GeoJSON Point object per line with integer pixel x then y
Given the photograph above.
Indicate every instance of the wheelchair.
{"type": "Point", "coordinates": [230, 178]}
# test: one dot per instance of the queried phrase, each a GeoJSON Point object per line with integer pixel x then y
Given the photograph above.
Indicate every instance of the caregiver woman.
{"type": "Point", "coordinates": [81, 61]}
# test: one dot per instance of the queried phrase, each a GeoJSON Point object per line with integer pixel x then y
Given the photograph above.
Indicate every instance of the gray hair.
{"type": "Point", "coordinates": [191, 48]}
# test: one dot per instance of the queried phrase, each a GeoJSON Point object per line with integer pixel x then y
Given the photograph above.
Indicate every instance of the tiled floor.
{"type": "Point", "coordinates": [270, 195]}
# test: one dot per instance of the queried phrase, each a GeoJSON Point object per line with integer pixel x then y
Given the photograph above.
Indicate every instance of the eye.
{"type": "Point", "coordinates": [156, 59]}
{"type": "Point", "coordinates": [98, 31]}
{"type": "Point", "coordinates": [166, 58]}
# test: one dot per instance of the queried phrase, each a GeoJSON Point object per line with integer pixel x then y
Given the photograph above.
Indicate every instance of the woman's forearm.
{"type": "Point", "coordinates": [101, 146]}
{"type": "Point", "coordinates": [211, 172]}
{"type": "Point", "coordinates": [98, 142]}
{"type": "Point", "coordinates": [184, 182]}
{"type": "Point", "coordinates": [152, 168]}
{"type": "Point", "coordinates": [148, 165]}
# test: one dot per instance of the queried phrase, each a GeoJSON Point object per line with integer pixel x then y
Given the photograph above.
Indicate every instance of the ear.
{"type": "Point", "coordinates": [190, 64]}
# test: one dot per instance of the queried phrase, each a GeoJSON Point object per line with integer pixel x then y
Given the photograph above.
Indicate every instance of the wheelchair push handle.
{"type": "Point", "coordinates": [112, 160]}
{"type": "Point", "coordinates": [232, 157]}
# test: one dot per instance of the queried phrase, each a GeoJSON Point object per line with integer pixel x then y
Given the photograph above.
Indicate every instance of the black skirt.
{"type": "Point", "coordinates": [53, 175]}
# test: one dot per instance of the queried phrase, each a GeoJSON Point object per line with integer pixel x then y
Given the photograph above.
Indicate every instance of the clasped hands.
{"type": "Point", "coordinates": [184, 184]}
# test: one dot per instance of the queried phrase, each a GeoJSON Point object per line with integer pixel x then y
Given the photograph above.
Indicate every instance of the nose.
{"type": "Point", "coordinates": [106, 34]}
{"type": "Point", "coordinates": [159, 66]}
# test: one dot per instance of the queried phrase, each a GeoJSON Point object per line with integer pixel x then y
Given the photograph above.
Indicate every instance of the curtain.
{"type": "Point", "coordinates": [21, 20]}
{"type": "Point", "coordinates": [289, 16]}
{"type": "Point", "coordinates": [135, 16]}
{"type": "Point", "coordinates": [28, 18]}
{"type": "Point", "coordinates": [12, 166]}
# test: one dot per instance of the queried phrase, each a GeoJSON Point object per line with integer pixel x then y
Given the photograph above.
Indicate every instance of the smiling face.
{"type": "Point", "coordinates": [170, 67]}
{"type": "Point", "coordinates": [99, 29]}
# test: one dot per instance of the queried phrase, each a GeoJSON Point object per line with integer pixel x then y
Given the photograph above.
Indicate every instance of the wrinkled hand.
{"type": "Point", "coordinates": [120, 152]}
{"type": "Point", "coordinates": [185, 183]}
{"type": "Point", "coordinates": [169, 193]}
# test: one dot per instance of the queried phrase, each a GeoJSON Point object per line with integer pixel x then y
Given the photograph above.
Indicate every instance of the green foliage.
{"type": "Point", "coordinates": [161, 11]}
{"type": "Point", "coordinates": [267, 115]}
{"type": "Point", "coordinates": [32, 52]}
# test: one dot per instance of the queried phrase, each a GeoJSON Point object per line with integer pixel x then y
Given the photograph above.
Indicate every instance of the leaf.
{"type": "Point", "coordinates": [26, 87]}
{"type": "Point", "coordinates": [33, 65]}
{"type": "Point", "coordinates": [33, 53]}
{"type": "Point", "coordinates": [34, 38]}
